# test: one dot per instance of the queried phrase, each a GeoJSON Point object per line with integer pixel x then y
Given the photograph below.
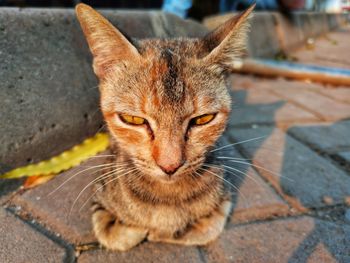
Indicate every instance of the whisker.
{"type": "Point", "coordinates": [224, 180]}
{"type": "Point", "coordinates": [82, 171]}
{"type": "Point", "coordinates": [258, 167]}
{"type": "Point", "coordinates": [276, 174]}
{"type": "Point", "coordinates": [262, 148]}
{"type": "Point", "coordinates": [220, 167]}
{"type": "Point", "coordinates": [99, 178]}
{"type": "Point", "coordinates": [236, 143]}
{"type": "Point", "coordinates": [112, 180]}
{"type": "Point", "coordinates": [233, 158]}
{"type": "Point", "coordinates": [102, 127]}
{"type": "Point", "coordinates": [242, 173]}
{"type": "Point", "coordinates": [199, 175]}
{"type": "Point", "coordinates": [93, 87]}
{"type": "Point", "coordinates": [87, 166]}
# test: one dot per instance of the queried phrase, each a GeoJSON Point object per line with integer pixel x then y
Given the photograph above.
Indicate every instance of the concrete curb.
{"type": "Point", "coordinates": [272, 32]}
{"type": "Point", "coordinates": [48, 94]}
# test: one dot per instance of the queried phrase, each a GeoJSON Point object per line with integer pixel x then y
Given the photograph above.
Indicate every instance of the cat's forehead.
{"type": "Point", "coordinates": [168, 68]}
{"type": "Point", "coordinates": [181, 47]}
{"type": "Point", "coordinates": [171, 64]}
{"type": "Point", "coordinates": [168, 80]}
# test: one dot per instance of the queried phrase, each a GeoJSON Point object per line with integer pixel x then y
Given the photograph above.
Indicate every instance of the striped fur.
{"type": "Point", "coordinates": [167, 82]}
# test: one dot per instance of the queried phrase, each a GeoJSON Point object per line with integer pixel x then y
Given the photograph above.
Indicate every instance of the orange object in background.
{"type": "Point", "coordinates": [36, 180]}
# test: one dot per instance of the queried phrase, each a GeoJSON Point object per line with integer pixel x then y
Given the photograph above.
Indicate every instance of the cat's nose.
{"type": "Point", "coordinates": [168, 155]}
{"type": "Point", "coordinates": [171, 168]}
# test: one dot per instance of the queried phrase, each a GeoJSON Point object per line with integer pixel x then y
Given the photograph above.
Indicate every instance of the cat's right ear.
{"type": "Point", "coordinates": [107, 44]}
{"type": "Point", "coordinates": [227, 43]}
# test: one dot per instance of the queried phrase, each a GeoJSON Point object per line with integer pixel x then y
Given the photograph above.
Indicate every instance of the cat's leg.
{"type": "Point", "coordinates": [114, 235]}
{"type": "Point", "coordinates": [204, 231]}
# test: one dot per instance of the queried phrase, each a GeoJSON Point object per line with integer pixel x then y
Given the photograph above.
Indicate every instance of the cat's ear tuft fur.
{"type": "Point", "coordinates": [227, 42]}
{"type": "Point", "coordinates": [107, 44]}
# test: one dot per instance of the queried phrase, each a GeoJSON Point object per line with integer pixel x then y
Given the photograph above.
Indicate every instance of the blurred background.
{"type": "Point", "coordinates": [289, 128]}
{"type": "Point", "coordinates": [196, 9]}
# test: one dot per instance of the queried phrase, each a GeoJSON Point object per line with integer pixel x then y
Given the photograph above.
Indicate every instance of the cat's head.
{"type": "Point", "coordinates": [165, 101]}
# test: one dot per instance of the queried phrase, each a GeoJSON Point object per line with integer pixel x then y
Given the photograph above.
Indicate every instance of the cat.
{"type": "Point", "coordinates": [166, 103]}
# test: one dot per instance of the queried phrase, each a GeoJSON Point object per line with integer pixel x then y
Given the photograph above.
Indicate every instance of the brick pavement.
{"type": "Point", "coordinates": [293, 201]}
{"type": "Point", "coordinates": [297, 239]}
{"type": "Point", "coordinates": [21, 243]}
{"type": "Point", "coordinates": [329, 50]}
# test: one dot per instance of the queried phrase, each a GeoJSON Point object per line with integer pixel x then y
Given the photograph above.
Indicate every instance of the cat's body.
{"type": "Point", "coordinates": [165, 212]}
{"type": "Point", "coordinates": [165, 103]}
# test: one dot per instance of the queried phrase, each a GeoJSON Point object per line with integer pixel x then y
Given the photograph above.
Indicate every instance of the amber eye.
{"type": "Point", "coordinates": [203, 119]}
{"type": "Point", "coordinates": [134, 120]}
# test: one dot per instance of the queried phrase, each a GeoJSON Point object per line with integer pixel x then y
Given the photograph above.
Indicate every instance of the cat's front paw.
{"type": "Point", "coordinates": [154, 236]}
{"type": "Point", "coordinates": [114, 235]}
{"type": "Point", "coordinates": [204, 231]}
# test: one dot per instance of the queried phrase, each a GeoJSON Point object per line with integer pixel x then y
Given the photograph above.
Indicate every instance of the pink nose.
{"type": "Point", "coordinates": [168, 156]}
{"type": "Point", "coordinates": [171, 168]}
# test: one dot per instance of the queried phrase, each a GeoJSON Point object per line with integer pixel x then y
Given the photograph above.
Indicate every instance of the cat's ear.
{"type": "Point", "coordinates": [227, 43]}
{"type": "Point", "coordinates": [107, 44]}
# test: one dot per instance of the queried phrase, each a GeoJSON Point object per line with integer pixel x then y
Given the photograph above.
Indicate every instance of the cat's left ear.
{"type": "Point", "coordinates": [227, 43]}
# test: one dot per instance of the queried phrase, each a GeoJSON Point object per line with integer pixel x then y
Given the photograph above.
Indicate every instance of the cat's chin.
{"type": "Point", "coordinates": [168, 179]}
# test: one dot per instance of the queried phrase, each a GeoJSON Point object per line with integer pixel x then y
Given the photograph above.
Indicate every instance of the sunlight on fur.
{"type": "Point", "coordinates": [166, 104]}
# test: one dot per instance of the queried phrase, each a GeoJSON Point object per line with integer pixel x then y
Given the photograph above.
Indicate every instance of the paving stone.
{"type": "Point", "coordinates": [322, 106]}
{"type": "Point", "coordinates": [345, 156]}
{"type": "Point", "coordinates": [260, 106]}
{"type": "Point", "coordinates": [297, 173]}
{"type": "Point", "coordinates": [252, 197]}
{"type": "Point", "coordinates": [329, 50]}
{"type": "Point", "coordinates": [302, 239]}
{"type": "Point", "coordinates": [243, 82]}
{"type": "Point", "coordinates": [146, 252]}
{"type": "Point", "coordinates": [8, 186]}
{"type": "Point", "coordinates": [337, 93]}
{"type": "Point", "coordinates": [240, 81]}
{"type": "Point", "coordinates": [54, 209]}
{"type": "Point", "coordinates": [336, 214]}
{"type": "Point", "coordinates": [21, 243]}
{"type": "Point", "coordinates": [327, 137]}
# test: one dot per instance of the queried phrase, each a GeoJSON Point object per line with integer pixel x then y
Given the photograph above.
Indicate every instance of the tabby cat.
{"type": "Point", "coordinates": [165, 103]}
